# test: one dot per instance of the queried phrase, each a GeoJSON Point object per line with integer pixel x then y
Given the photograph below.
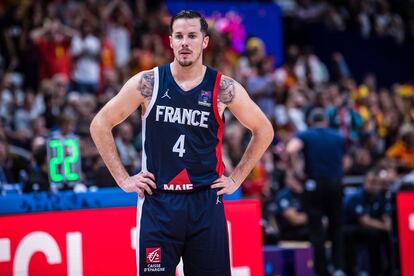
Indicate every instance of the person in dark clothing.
{"type": "Point", "coordinates": [323, 151]}
{"type": "Point", "coordinates": [290, 215]}
{"type": "Point", "coordinates": [368, 225]}
{"type": "Point", "coordinates": [38, 179]}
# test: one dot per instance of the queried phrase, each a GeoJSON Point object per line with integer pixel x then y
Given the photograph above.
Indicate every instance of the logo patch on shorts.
{"type": "Point", "coordinates": [153, 255]}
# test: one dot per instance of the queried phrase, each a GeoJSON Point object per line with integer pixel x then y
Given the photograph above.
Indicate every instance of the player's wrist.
{"type": "Point", "coordinates": [123, 183]}
{"type": "Point", "coordinates": [233, 180]}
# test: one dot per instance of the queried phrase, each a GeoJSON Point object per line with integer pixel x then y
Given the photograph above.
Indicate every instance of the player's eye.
{"type": "Point", "coordinates": [178, 36]}
{"type": "Point", "coordinates": [192, 36]}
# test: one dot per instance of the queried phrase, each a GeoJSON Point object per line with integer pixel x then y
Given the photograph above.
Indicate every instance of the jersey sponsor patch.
{"type": "Point", "coordinates": [204, 98]}
{"type": "Point", "coordinates": [181, 182]}
{"type": "Point", "coordinates": [178, 187]}
{"type": "Point", "coordinates": [153, 255]}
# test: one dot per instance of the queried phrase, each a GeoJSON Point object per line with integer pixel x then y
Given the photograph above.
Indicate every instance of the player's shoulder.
{"type": "Point", "coordinates": [146, 74]}
{"type": "Point", "coordinates": [228, 82]}
{"type": "Point", "coordinates": [226, 78]}
{"type": "Point", "coordinates": [228, 89]}
{"type": "Point", "coordinates": [143, 82]}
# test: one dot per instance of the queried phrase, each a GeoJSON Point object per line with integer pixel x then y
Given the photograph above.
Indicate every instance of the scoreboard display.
{"type": "Point", "coordinates": [63, 159]}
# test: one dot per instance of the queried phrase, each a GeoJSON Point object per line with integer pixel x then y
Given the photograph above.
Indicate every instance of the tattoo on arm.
{"type": "Point", "coordinates": [146, 84]}
{"type": "Point", "coordinates": [226, 91]}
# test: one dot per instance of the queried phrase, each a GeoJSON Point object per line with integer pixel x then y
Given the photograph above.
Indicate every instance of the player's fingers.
{"type": "Point", "coordinates": [217, 185]}
{"type": "Point", "coordinates": [149, 182]}
{"type": "Point", "coordinates": [140, 193]}
{"type": "Point", "coordinates": [221, 192]}
{"type": "Point", "coordinates": [145, 187]}
{"type": "Point", "coordinates": [150, 175]}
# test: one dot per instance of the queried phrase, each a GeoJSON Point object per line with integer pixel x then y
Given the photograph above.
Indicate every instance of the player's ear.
{"type": "Point", "coordinates": [170, 37]}
{"type": "Point", "coordinates": [206, 39]}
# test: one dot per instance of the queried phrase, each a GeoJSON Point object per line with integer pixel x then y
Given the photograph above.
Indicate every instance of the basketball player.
{"type": "Point", "coordinates": [180, 188]}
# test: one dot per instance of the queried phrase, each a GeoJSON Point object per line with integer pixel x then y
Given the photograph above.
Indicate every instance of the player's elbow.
{"type": "Point", "coordinates": [264, 131]}
{"type": "Point", "coordinates": [268, 132]}
{"type": "Point", "coordinates": [93, 127]}
{"type": "Point", "coordinates": [97, 125]}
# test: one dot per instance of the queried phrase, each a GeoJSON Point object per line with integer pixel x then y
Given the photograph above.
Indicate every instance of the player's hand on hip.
{"type": "Point", "coordinates": [225, 185]}
{"type": "Point", "coordinates": [139, 183]}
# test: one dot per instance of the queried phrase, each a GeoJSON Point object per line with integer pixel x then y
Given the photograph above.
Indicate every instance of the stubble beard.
{"type": "Point", "coordinates": [187, 63]}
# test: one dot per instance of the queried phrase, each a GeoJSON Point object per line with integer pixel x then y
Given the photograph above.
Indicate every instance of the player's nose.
{"type": "Point", "coordinates": [185, 42]}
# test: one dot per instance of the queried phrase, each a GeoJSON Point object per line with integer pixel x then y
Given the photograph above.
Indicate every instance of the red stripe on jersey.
{"type": "Point", "coordinates": [220, 165]}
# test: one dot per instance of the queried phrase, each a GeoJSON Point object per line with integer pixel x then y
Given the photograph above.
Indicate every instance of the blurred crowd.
{"type": "Point", "coordinates": [380, 18]}
{"type": "Point", "coordinates": [61, 61]}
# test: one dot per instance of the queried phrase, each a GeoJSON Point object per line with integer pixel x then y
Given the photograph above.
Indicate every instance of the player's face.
{"type": "Point", "coordinates": [187, 41]}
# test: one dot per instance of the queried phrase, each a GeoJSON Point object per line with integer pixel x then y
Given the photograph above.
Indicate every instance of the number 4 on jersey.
{"type": "Point", "coordinates": [179, 146]}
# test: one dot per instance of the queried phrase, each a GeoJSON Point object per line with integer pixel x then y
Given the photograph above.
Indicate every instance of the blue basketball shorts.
{"type": "Point", "coordinates": [191, 226]}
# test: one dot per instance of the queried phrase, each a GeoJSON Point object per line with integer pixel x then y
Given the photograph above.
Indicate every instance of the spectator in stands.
{"type": "Point", "coordinates": [255, 52]}
{"type": "Point", "coordinates": [261, 86]}
{"type": "Point", "coordinates": [118, 18]}
{"type": "Point", "coordinates": [11, 96]}
{"type": "Point", "coordinates": [334, 19]}
{"type": "Point", "coordinates": [285, 76]}
{"type": "Point", "coordinates": [340, 68]}
{"type": "Point", "coordinates": [382, 18]}
{"type": "Point", "coordinates": [361, 161]}
{"type": "Point", "coordinates": [53, 43]}
{"type": "Point", "coordinates": [85, 49]}
{"type": "Point", "coordinates": [368, 225]}
{"type": "Point", "coordinates": [128, 154]}
{"type": "Point", "coordinates": [82, 108]}
{"type": "Point", "coordinates": [38, 127]}
{"type": "Point", "coordinates": [309, 69]}
{"type": "Point", "coordinates": [257, 182]}
{"type": "Point", "coordinates": [233, 137]}
{"type": "Point", "coordinates": [107, 57]}
{"type": "Point", "coordinates": [403, 150]}
{"type": "Point", "coordinates": [295, 106]}
{"type": "Point", "coordinates": [38, 179]}
{"type": "Point", "coordinates": [149, 53]}
{"type": "Point", "coordinates": [110, 87]}
{"type": "Point", "coordinates": [26, 113]}
{"type": "Point", "coordinates": [323, 149]}
{"type": "Point", "coordinates": [6, 175]}
{"type": "Point", "coordinates": [54, 92]}
{"type": "Point", "coordinates": [15, 37]}
{"type": "Point", "coordinates": [66, 126]}
{"type": "Point", "coordinates": [364, 19]}
{"type": "Point", "coordinates": [345, 118]}
{"type": "Point", "coordinates": [291, 217]}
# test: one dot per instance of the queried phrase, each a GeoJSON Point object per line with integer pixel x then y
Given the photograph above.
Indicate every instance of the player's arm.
{"type": "Point", "coordinates": [132, 95]}
{"type": "Point", "coordinates": [234, 97]}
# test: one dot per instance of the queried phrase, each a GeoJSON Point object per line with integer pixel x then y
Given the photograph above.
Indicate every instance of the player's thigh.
{"type": "Point", "coordinates": [206, 249]}
{"type": "Point", "coordinates": [159, 244]}
{"type": "Point", "coordinates": [158, 257]}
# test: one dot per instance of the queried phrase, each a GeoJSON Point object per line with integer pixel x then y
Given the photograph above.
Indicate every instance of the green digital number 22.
{"type": "Point", "coordinates": [71, 159]}
{"type": "Point", "coordinates": [56, 161]}
{"type": "Point", "coordinates": [67, 160]}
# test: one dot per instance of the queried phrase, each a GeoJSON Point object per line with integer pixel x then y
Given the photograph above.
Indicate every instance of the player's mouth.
{"type": "Point", "coordinates": [184, 52]}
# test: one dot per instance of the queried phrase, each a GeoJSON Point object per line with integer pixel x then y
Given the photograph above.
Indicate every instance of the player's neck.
{"type": "Point", "coordinates": [183, 73]}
